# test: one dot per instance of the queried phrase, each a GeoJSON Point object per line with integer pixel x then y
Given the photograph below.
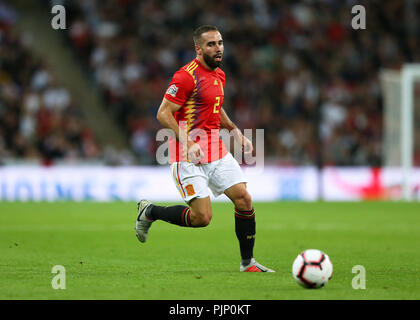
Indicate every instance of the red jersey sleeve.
{"type": "Point", "coordinates": [180, 88]}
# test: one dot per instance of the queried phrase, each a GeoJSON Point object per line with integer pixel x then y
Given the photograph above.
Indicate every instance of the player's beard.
{"type": "Point", "coordinates": [213, 64]}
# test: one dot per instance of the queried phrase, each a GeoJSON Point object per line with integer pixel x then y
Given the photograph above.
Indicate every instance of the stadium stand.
{"type": "Point", "coordinates": [275, 81]}
{"type": "Point", "coordinates": [322, 108]}
{"type": "Point", "coordinates": [40, 120]}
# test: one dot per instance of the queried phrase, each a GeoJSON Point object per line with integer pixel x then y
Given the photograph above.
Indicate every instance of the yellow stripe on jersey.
{"type": "Point", "coordinates": [190, 104]}
{"type": "Point", "coordinates": [189, 114]}
{"type": "Point", "coordinates": [191, 70]}
{"type": "Point", "coordinates": [191, 65]}
{"type": "Point", "coordinates": [177, 182]}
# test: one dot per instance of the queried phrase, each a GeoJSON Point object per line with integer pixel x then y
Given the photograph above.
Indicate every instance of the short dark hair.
{"type": "Point", "coordinates": [200, 30]}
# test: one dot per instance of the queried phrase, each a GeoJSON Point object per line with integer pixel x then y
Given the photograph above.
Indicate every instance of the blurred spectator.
{"type": "Point", "coordinates": [39, 120]}
{"type": "Point", "coordinates": [294, 68]}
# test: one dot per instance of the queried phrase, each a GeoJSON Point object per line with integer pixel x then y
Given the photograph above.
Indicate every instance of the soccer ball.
{"type": "Point", "coordinates": [312, 269]}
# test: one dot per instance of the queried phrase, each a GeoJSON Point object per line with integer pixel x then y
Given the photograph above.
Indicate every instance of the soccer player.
{"type": "Point", "coordinates": [193, 103]}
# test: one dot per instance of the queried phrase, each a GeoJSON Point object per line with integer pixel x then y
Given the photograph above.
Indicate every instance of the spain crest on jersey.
{"type": "Point", "coordinates": [190, 190]}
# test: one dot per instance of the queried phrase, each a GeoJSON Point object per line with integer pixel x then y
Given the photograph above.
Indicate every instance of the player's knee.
{"type": "Point", "coordinates": [205, 219]}
{"type": "Point", "coordinates": [243, 201]}
{"type": "Point", "coordinates": [201, 219]}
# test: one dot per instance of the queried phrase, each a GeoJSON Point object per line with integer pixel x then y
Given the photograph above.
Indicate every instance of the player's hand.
{"type": "Point", "coordinates": [247, 145]}
{"type": "Point", "coordinates": [194, 153]}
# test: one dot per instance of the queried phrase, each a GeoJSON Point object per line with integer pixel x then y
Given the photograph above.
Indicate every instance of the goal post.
{"type": "Point", "coordinates": [399, 113]}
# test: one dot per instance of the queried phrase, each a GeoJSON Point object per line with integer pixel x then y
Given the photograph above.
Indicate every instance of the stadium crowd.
{"type": "Point", "coordinates": [296, 69]}
{"type": "Point", "coordinates": [39, 119]}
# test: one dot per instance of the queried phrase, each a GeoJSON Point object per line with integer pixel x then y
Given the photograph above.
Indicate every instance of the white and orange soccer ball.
{"type": "Point", "coordinates": [312, 269]}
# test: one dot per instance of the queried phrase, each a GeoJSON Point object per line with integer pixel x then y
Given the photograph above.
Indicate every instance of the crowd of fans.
{"type": "Point", "coordinates": [39, 120]}
{"type": "Point", "coordinates": [296, 69]}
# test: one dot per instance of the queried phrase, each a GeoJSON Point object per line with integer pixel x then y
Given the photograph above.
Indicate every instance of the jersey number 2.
{"type": "Point", "coordinates": [215, 110]}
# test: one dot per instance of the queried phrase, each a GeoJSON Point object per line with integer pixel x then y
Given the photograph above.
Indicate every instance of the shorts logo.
{"type": "Point", "coordinates": [190, 190]}
{"type": "Point", "coordinates": [172, 90]}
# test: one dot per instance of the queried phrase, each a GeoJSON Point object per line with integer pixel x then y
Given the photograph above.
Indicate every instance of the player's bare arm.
{"type": "Point", "coordinates": [165, 116]}
{"type": "Point", "coordinates": [228, 124]}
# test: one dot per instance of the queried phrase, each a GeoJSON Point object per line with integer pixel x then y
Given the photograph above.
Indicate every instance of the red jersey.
{"type": "Point", "coordinates": [199, 91]}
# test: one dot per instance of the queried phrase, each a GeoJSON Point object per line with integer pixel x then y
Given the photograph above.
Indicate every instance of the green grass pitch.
{"type": "Point", "coordinates": [103, 259]}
